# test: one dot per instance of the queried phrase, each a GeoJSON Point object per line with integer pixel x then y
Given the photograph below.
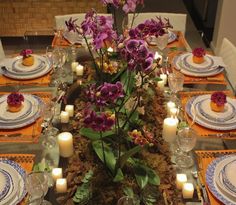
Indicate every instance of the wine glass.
{"type": "Point", "coordinates": [38, 180]}
{"type": "Point", "coordinates": [186, 139]}
{"type": "Point", "coordinates": [126, 200]}
{"type": "Point", "coordinates": [35, 190]}
{"type": "Point", "coordinates": [161, 42]}
{"type": "Point", "coordinates": [175, 82]}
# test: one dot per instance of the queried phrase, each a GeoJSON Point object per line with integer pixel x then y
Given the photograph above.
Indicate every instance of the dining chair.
{"type": "Point", "coordinates": [228, 52]}
{"type": "Point", "coordinates": [177, 20]}
{"type": "Point", "coordinates": [60, 19]}
{"type": "Point", "coordinates": [2, 54]}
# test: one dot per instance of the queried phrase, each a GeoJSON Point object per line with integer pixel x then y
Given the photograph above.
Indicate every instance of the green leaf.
{"type": "Point", "coordinates": [127, 155]}
{"type": "Point", "coordinates": [141, 176]}
{"type": "Point", "coordinates": [119, 176]}
{"type": "Point", "coordinates": [153, 178]}
{"type": "Point", "coordinates": [157, 79]}
{"type": "Point", "coordinates": [135, 117]}
{"type": "Point", "coordinates": [128, 191]}
{"type": "Point", "coordinates": [118, 75]}
{"type": "Point", "coordinates": [109, 155]}
{"type": "Point", "coordinates": [93, 135]}
{"type": "Point", "coordinates": [128, 80]}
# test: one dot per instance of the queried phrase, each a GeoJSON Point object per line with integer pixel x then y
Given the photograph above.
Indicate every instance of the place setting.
{"type": "Point", "coordinates": [200, 67]}
{"type": "Point", "coordinates": [26, 68]}
{"type": "Point", "coordinates": [20, 117]}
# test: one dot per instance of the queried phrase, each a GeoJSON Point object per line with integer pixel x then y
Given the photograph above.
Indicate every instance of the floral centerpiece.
{"type": "Point", "coordinates": [116, 127]}
{"type": "Point", "coordinates": [198, 55]}
{"type": "Point", "coordinates": [28, 59]}
{"type": "Point", "coordinates": [14, 102]}
{"type": "Point", "coordinates": [218, 100]}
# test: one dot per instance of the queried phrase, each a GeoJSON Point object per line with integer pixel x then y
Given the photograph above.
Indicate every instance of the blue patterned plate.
{"type": "Point", "coordinates": [28, 119]}
{"type": "Point", "coordinates": [213, 179]}
{"type": "Point", "coordinates": [18, 174]}
{"type": "Point", "coordinates": [192, 110]}
{"type": "Point", "coordinates": [178, 64]}
{"type": "Point", "coordinates": [5, 184]}
{"type": "Point", "coordinates": [43, 66]}
{"type": "Point", "coordinates": [228, 176]}
{"type": "Point", "coordinates": [225, 117]}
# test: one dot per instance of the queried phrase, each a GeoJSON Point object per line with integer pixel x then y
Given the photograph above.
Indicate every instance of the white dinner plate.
{"type": "Point", "coordinates": [13, 69]}
{"type": "Point", "coordinates": [214, 182]}
{"type": "Point", "coordinates": [192, 110]}
{"type": "Point", "coordinates": [18, 174]}
{"type": "Point", "coordinates": [28, 118]}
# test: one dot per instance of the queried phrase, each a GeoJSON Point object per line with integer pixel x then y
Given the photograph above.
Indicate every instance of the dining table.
{"type": "Point", "coordinates": [25, 145]}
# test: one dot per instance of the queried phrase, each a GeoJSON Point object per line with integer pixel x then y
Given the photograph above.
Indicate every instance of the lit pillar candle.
{"type": "Point", "coordinates": [61, 185]}
{"type": "Point", "coordinates": [187, 190]}
{"type": "Point", "coordinates": [169, 129]}
{"type": "Point", "coordinates": [161, 84]}
{"type": "Point", "coordinates": [170, 105]}
{"type": "Point", "coordinates": [70, 110]}
{"type": "Point", "coordinates": [164, 78]}
{"type": "Point", "coordinates": [64, 117]}
{"type": "Point", "coordinates": [65, 142]}
{"type": "Point", "coordinates": [74, 65]}
{"type": "Point", "coordinates": [180, 180]}
{"type": "Point", "coordinates": [56, 173]}
{"type": "Point", "coordinates": [79, 70]}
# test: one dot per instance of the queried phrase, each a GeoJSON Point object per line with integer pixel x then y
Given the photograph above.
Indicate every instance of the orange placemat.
{"type": "Point", "coordinates": [204, 158]}
{"type": "Point", "coordinates": [26, 161]}
{"type": "Point", "coordinates": [62, 42]}
{"type": "Point", "coordinates": [42, 81]}
{"type": "Point", "coordinates": [202, 131]}
{"type": "Point", "coordinates": [27, 134]}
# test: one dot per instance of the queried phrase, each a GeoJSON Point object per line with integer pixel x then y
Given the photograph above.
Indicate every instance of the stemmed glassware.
{"type": "Point", "coordinates": [175, 82]}
{"type": "Point", "coordinates": [161, 42]}
{"type": "Point", "coordinates": [186, 139]}
{"type": "Point", "coordinates": [36, 184]}
{"type": "Point", "coordinates": [50, 132]}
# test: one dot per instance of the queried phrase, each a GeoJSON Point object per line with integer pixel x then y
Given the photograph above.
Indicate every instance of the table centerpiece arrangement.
{"type": "Point", "coordinates": [119, 150]}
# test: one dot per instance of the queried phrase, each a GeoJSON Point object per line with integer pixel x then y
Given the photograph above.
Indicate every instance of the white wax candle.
{"type": "Point", "coordinates": [61, 185]}
{"type": "Point", "coordinates": [170, 105]}
{"type": "Point", "coordinates": [169, 129]}
{"type": "Point", "coordinates": [161, 84]}
{"type": "Point", "coordinates": [70, 110]}
{"type": "Point", "coordinates": [156, 56]}
{"type": "Point", "coordinates": [110, 49]}
{"type": "Point", "coordinates": [180, 180]}
{"type": "Point", "coordinates": [74, 65]}
{"type": "Point", "coordinates": [164, 78]}
{"type": "Point", "coordinates": [65, 141]}
{"type": "Point", "coordinates": [187, 190]}
{"type": "Point", "coordinates": [56, 173]}
{"type": "Point", "coordinates": [79, 70]}
{"type": "Point", "coordinates": [174, 112]}
{"type": "Point", "coordinates": [64, 117]}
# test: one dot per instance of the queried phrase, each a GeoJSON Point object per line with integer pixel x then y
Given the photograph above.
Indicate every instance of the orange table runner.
{"type": "Point", "coordinates": [203, 131]}
{"type": "Point", "coordinates": [26, 161]}
{"type": "Point", "coordinates": [204, 159]}
{"type": "Point", "coordinates": [27, 134]}
{"type": "Point", "coordinates": [41, 81]}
